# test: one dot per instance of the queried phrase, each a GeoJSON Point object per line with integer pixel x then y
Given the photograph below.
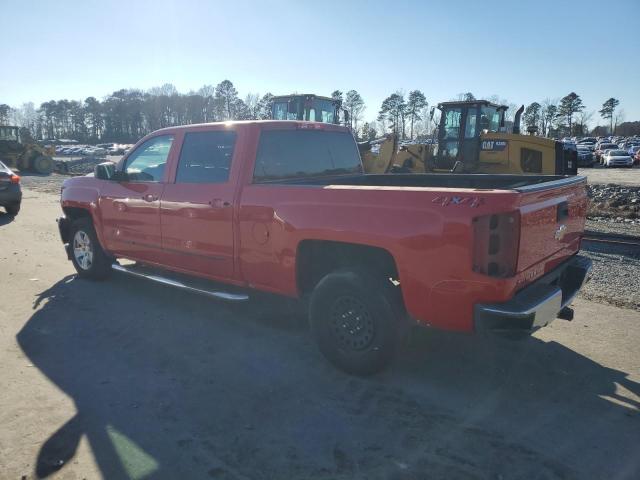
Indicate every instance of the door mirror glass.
{"type": "Point", "coordinates": [104, 171]}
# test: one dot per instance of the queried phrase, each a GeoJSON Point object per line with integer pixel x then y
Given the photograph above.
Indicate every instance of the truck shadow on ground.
{"type": "Point", "coordinates": [167, 384]}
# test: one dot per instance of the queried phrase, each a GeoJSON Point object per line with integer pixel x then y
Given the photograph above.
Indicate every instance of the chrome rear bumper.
{"type": "Point", "coordinates": [538, 304]}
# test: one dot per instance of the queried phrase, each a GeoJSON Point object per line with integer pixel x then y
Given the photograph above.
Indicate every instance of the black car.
{"type": "Point", "coordinates": [585, 156]}
{"type": "Point", "coordinates": [10, 193]}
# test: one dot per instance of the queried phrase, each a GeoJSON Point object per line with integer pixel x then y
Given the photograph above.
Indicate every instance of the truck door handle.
{"type": "Point", "coordinates": [219, 203]}
{"type": "Point", "coordinates": [149, 198]}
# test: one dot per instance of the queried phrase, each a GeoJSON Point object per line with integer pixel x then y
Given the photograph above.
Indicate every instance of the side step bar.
{"type": "Point", "coordinates": [227, 296]}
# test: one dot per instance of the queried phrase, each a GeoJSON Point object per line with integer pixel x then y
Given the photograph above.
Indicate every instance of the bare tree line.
{"type": "Point", "coordinates": [128, 114]}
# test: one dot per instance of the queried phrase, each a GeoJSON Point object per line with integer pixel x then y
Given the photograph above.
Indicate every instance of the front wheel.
{"type": "Point", "coordinates": [357, 320]}
{"type": "Point", "coordinates": [87, 256]}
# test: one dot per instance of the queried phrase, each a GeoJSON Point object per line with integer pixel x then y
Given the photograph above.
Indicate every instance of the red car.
{"type": "Point", "coordinates": [284, 207]}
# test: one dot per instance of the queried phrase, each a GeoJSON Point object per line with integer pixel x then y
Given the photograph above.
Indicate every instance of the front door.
{"type": "Point", "coordinates": [196, 210]}
{"type": "Point", "coordinates": [470, 151]}
{"type": "Point", "coordinates": [130, 209]}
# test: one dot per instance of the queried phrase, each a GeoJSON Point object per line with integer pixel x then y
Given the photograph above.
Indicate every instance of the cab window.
{"type": "Point", "coordinates": [206, 157]}
{"type": "Point", "coordinates": [147, 162]}
{"type": "Point", "coordinates": [289, 154]}
{"type": "Point", "coordinates": [452, 123]}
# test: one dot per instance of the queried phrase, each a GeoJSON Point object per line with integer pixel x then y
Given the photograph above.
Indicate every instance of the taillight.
{"type": "Point", "coordinates": [496, 239]}
{"type": "Point", "coordinates": [15, 178]}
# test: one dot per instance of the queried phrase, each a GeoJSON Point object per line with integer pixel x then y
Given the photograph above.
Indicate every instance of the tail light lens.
{"type": "Point", "coordinates": [15, 178]}
{"type": "Point", "coordinates": [496, 242]}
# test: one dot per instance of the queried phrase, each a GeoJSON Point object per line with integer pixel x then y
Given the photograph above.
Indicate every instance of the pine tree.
{"type": "Point", "coordinates": [415, 104]}
{"type": "Point", "coordinates": [608, 109]}
{"type": "Point", "coordinates": [569, 106]}
{"type": "Point", "coordinates": [354, 105]}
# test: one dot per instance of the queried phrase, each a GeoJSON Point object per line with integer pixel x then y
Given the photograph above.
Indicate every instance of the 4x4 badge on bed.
{"type": "Point", "coordinates": [473, 202]}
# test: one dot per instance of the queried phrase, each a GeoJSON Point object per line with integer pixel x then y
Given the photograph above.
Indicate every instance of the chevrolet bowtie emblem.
{"type": "Point", "coordinates": [560, 232]}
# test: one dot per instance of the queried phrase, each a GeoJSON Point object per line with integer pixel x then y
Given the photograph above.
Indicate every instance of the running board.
{"type": "Point", "coordinates": [135, 271]}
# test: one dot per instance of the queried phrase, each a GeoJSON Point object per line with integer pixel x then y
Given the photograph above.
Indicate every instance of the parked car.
{"type": "Point", "coordinates": [585, 155]}
{"type": "Point", "coordinates": [600, 150]}
{"type": "Point", "coordinates": [10, 191]}
{"type": "Point", "coordinates": [617, 158]}
{"type": "Point", "coordinates": [285, 207]}
{"type": "Point", "coordinates": [636, 158]}
{"type": "Point", "coordinates": [633, 150]}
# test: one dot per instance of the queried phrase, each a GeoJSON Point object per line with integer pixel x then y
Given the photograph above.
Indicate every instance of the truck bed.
{"type": "Point", "coordinates": [519, 183]}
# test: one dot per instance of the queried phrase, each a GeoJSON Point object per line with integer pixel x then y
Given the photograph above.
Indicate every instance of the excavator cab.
{"type": "Point", "coordinates": [9, 134]}
{"type": "Point", "coordinates": [461, 124]}
{"type": "Point", "coordinates": [309, 107]}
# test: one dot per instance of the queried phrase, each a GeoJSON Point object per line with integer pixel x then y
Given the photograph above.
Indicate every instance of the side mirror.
{"type": "Point", "coordinates": [105, 171]}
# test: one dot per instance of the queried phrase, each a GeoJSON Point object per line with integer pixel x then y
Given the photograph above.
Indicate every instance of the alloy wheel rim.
{"type": "Point", "coordinates": [83, 250]}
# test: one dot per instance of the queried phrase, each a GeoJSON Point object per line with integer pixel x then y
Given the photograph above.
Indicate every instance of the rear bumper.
{"type": "Point", "coordinates": [538, 304]}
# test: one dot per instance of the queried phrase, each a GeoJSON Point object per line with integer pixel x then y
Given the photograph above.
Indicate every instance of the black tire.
{"type": "Point", "coordinates": [42, 165]}
{"type": "Point", "coordinates": [375, 324]}
{"type": "Point", "coordinates": [13, 209]}
{"type": "Point", "coordinates": [98, 266]}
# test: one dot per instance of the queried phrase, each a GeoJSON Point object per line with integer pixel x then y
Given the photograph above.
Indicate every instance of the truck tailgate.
{"type": "Point", "coordinates": [552, 220]}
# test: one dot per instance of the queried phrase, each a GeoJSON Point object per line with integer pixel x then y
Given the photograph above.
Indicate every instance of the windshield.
{"type": "Point", "coordinates": [297, 108]}
{"type": "Point", "coordinates": [321, 110]}
{"type": "Point", "coordinates": [617, 153]}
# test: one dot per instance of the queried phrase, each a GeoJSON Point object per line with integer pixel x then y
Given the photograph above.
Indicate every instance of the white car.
{"type": "Point", "coordinates": [617, 158]}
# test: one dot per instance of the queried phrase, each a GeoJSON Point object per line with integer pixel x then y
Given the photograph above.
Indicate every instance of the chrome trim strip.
{"type": "Point", "coordinates": [563, 182]}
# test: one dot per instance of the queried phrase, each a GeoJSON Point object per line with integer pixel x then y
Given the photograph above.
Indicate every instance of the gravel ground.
{"type": "Point", "coordinates": [607, 226]}
{"type": "Point", "coordinates": [616, 275]}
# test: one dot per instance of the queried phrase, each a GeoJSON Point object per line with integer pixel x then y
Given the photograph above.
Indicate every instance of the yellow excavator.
{"type": "Point", "coordinates": [22, 153]}
{"type": "Point", "coordinates": [472, 138]}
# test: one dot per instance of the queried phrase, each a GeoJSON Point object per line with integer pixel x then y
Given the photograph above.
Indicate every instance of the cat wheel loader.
{"type": "Point", "coordinates": [22, 154]}
{"type": "Point", "coordinates": [472, 138]}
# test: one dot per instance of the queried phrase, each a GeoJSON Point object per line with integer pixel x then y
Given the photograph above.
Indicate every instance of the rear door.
{"type": "Point", "coordinates": [551, 221]}
{"type": "Point", "coordinates": [196, 210]}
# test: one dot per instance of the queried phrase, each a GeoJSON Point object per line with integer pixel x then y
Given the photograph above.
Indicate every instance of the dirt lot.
{"type": "Point", "coordinates": [125, 379]}
{"type": "Point", "coordinates": [620, 176]}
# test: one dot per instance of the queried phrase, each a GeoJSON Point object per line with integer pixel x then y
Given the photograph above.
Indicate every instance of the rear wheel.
{"type": "Point", "coordinates": [13, 209]}
{"type": "Point", "coordinates": [357, 320]}
{"type": "Point", "coordinates": [87, 256]}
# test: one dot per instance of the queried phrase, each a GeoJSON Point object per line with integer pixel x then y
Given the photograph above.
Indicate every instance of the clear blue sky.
{"type": "Point", "coordinates": [520, 50]}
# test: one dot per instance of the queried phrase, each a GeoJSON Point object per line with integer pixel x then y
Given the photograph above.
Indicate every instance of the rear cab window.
{"type": "Point", "coordinates": [298, 154]}
{"type": "Point", "coordinates": [206, 157]}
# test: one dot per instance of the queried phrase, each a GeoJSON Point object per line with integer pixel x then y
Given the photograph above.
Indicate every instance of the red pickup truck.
{"type": "Point", "coordinates": [284, 207]}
